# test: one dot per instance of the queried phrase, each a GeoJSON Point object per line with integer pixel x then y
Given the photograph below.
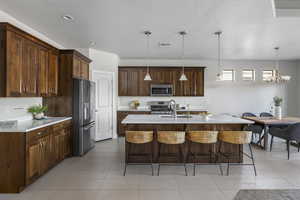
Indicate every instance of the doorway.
{"type": "Point", "coordinates": [104, 105]}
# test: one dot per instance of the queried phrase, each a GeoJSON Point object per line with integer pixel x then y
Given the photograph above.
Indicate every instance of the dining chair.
{"type": "Point", "coordinates": [291, 133]}
{"type": "Point", "coordinates": [256, 129]}
{"type": "Point", "coordinates": [265, 114]}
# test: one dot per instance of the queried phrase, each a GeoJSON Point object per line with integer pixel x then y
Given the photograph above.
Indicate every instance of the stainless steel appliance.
{"type": "Point", "coordinates": [161, 90]}
{"type": "Point", "coordinates": [159, 107]}
{"type": "Point", "coordinates": [83, 116]}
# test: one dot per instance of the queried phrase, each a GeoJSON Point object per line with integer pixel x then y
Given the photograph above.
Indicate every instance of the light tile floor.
{"type": "Point", "coordinates": [98, 175]}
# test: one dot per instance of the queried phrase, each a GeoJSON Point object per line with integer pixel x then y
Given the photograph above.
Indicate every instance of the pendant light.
{"type": "Point", "coordinates": [183, 76]}
{"type": "Point", "coordinates": [147, 77]}
{"type": "Point", "coordinates": [219, 74]}
{"type": "Point", "coordinates": [277, 77]}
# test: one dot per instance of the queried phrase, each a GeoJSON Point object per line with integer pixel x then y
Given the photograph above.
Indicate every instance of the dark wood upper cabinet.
{"type": "Point", "coordinates": [131, 80]}
{"type": "Point", "coordinates": [53, 74]}
{"type": "Point", "coordinates": [43, 69]}
{"type": "Point", "coordinates": [30, 68]}
{"type": "Point", "coordinates": [85, 70]}
{"type": "Point", "coordinates": [13, 65]}
{"type": "Point", "coordinates": [123, 82]}
{"type": "Point", "coordinates": [25, 64]}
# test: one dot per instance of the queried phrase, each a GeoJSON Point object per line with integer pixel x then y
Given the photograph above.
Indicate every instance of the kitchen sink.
{"type": "Point", "coordinates": [178, 116]}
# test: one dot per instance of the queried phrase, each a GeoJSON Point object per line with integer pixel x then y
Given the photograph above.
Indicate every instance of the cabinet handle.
{"type": "Point", "coordinates": [39, 133]}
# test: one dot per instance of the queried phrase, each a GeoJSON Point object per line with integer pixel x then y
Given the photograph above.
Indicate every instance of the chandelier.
{"type": "Point", "coordinates": [276, 76]}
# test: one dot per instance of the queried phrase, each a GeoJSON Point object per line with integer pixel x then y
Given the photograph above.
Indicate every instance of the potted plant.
{"type": "Point", "coordinates": [278, 110]}
{"type": "Point", "coordinates": [37, 111]}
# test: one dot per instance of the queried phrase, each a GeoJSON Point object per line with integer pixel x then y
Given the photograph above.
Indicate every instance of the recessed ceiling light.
{"type": "Point", "coordinates": [68, 17]}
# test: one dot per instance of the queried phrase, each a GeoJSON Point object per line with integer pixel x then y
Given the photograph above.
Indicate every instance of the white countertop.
{"type": "Point", "coordinates": [30, 125]}
{"type": "Point", "coordinates": [196, 119]}
{"type": "Point", "coordinates": [148, 110]}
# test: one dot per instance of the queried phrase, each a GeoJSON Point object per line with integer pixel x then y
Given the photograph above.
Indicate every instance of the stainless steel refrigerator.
{"type": "Point", "coordinates": [83, 116]}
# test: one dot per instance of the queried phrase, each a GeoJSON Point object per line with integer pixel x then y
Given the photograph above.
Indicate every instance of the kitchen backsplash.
{"type": "Point", "coordinates": [194, 102]}
{"type": "Point", "coordinates": [16, 108]}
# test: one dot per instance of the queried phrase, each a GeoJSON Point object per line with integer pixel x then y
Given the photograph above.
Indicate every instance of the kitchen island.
{"type": "Point", "coordinates": [185, 123]}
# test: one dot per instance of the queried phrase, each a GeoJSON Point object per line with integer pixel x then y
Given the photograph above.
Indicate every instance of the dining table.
{"type": "Point", "coordinates": [267, 122]}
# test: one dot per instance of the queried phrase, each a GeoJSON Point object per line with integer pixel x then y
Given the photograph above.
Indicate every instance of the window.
{"type": "Point", "coordinates": [248, 75]}
{"type": "Point", "coordinates": [267, 74]}
{"type": "Point", "coordinates": [228, 75]}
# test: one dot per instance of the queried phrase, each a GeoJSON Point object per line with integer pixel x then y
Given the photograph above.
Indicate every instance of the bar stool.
{"type": "Point", "coordinates": [171, 138]}
{"type": "Point", "coordinates": [203, 137]}
{"type": "Point", "coordinates": [238, 138]}
{"type": "Point", "coordinates": [137, 138]}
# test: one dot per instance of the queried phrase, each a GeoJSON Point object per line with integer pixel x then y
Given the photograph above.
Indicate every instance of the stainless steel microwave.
{"type": "Point", "coordinates": [161, 90]}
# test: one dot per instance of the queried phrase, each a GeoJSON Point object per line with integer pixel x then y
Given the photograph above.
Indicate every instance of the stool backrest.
{"type": "Point", "coordinates": [139, 137]}
{"type": "Point", "coordinates": [171, 137]}
{"type": "Point", "coordinates": [204, 137]}
{"type": "Point", "coordinates": [235, 137]}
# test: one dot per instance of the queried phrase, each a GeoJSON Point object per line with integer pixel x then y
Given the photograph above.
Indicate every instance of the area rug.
{"type": "Point", "coordinates": [268, 195]}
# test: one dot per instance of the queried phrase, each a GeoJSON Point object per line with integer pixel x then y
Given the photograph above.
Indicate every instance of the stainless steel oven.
{"type": "Point", "coordinates": [161, 90]}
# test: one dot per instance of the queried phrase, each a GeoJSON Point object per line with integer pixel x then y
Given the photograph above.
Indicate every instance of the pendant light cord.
{"type": "Point", "coordinates": [183, 50]}
{"type": "Point", "coordinates": [219, 51]}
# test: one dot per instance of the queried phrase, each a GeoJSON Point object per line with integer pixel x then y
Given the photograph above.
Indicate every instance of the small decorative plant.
{"type": "Point", "coordinates": [37, 111]}
{"type": "Point", "coordinates": [135, 104]}
{"type": "Point", "coordinates": [277, 101]}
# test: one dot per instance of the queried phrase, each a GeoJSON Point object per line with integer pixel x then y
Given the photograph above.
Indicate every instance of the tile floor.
{"type": "Point", "coordinates": [98, 176]}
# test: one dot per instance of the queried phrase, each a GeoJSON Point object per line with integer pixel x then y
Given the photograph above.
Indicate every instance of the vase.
{"type": "Point", "coordinates": [39, 116]}
{"type": "Point", "coordinates": [278, 112]}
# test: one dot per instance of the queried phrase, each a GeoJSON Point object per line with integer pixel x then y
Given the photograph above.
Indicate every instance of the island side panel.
{"type": "Point", "coordinates": [173, 149]}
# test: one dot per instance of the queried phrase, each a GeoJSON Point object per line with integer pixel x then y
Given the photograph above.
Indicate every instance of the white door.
{"type": "Point", "coordinates": [104, 105]}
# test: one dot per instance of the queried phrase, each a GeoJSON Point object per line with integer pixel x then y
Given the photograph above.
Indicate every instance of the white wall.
{"type": "Point", "coordinates": [106, 62]}
{"type": "Point", "coordinates": [298, 84]}
{"type": "Point", "coordinates": [239, 96]}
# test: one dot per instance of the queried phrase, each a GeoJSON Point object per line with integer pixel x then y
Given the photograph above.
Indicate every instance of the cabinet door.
{"type": "Point", "coordinates": [76, 67]}
{"type": "Point", "coordinates": [57, 146]}
{"type": "Point", "coordinates": [43, 71]}
{"type": "Point", "coordinates": [199, 82]}
{"type": "Point", "coordinates": [144, 86]}
{"type": "Point", "coordinates": [14, 64]}
{"type": "Point", "coordinates": [53, 74]}
{"type": "Point", "coordinates": [133, 82]}
{"type": "Point", "coordinates": [33, 162]}
{"type": "Point", "coordinates": [121, 128]}
{"type": "Point", "coordinates": [122, 82]}
{"type": "Point", "coordinates": [84, 70]}
{"type": "Point", "coordinates": [30, 66]}
{"type": "Point", "coordinates": [46, 157]}
{"type": "Point", "coordinates": [67, 142]}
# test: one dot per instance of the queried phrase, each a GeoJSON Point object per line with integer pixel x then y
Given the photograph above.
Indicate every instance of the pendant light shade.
{"type": "Point", "coordinates": [219, 76]}
{"type": "Point", "coordinates": [183, 76]}
{"type": "Point", "coordinates": [147, 76]}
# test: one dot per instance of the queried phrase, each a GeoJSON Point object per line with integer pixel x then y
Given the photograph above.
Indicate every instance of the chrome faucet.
{"type": "Point", "coordinates": [172, 107]}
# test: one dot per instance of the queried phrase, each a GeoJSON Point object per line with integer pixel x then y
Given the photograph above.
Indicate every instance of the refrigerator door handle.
{"type": "Point", "coordinates": [85, 111]}
{"type": "Point", "coordinates": [89, 127]}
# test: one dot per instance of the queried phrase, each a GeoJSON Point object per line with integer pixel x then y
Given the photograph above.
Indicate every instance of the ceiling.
{"type": "Point", "coordinates": [249, 29]}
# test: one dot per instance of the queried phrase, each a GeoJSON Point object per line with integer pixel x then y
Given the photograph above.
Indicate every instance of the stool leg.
{"type": "Point", "coordinates": [271, 145]}
{"type": "Point", "coordinates": [182, 155]}
{"type": "Point", "coordinates": [252, 158]}
{"type": "Point", "coordinates": [228, 164]}
{"type": "Point", "coordinates": [217, 159]}
{"type": "Point", "coordinates": [158, 158]}
{"type": "Point", "coordinates": [151, 158]}
{"type": "Point", "coordinates": [127, 157]}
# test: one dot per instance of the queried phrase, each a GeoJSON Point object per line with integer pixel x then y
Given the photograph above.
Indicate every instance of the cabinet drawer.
{"type": "Point", "coordinates": [33, 136]}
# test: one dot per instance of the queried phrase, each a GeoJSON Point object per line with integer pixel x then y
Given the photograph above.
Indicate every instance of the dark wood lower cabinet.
{"type": "Point", "coordinates": [27, 156]}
